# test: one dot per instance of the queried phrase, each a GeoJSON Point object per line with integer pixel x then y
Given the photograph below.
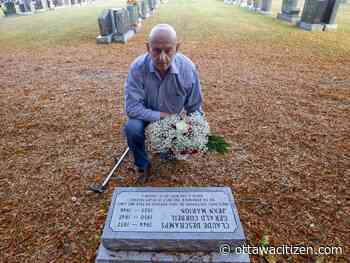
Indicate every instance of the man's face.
{"type": "Point", "coordinates": [162, 51]}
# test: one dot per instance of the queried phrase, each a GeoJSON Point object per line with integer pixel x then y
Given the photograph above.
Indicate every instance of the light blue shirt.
{"type": "Point", "coordinates": [146, 94]}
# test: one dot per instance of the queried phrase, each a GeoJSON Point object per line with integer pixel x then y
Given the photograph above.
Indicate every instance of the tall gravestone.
{"type": "Point", "coordinates": [164, 225]}
{"type": "Point", "coordinates": [114, 26]}
{"type": "Point", "coordinates": [144, 9]}
{"type": "Point", "coordinates": [243, 3]}
{"type": "Point", "coordinates": [265, 7]}
{"type": "Point", "coordinates": [9, 8]}
{"type": "Point", "coordinates": [134, 19]}
{"type": "Point", "coordinates": [319, 15]}
{"type": "Point", "coordinates": [44, 4]}
{"type": "Point", "coordinates": [331, 15]}
{"type": "Point", "coordinates": [290, 11]}
{"type": "Point", "coordinates": [67, 3]}
{"type": "Point", "coordinates": [106, 26]}
{"type": "Point", "coordinates": [256, 5]}
{"type": "Point", "coordinates": [32, 6]}
{"type": "Point", "coordinates": [151, 5]}
{"type": "Point", "coordinates": [123, 30]}
{"type": "Point", "coordinates": [38, 4]}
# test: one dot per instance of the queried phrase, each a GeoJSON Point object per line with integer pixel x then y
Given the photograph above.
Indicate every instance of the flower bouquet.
{"type": "Point", "coordinates": [179, 136]}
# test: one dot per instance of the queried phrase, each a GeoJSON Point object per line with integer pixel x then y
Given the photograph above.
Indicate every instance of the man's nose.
{"type": "Point", "coordinates": [162, 55]}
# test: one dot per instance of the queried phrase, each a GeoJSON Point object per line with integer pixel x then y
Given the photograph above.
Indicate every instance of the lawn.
{"type": "Point", "coordinates": [279, 95]}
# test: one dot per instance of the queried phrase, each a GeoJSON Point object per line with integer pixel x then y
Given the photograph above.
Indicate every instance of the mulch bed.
{"type": "Point", "coordinates": [285, 114]}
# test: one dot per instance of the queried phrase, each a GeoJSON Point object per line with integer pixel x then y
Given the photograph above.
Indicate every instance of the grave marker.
{"type": "Point", "coordinates": [145, 221]}
{"type": "Point", "coordinates": [290, 11]}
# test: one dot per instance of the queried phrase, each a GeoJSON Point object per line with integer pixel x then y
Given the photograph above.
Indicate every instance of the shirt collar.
{"type": "Point", "coordinates": [173, 67]}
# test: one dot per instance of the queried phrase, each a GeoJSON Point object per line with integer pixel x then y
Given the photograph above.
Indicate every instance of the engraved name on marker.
{"type": "Point", "coordinates": [171, 211]}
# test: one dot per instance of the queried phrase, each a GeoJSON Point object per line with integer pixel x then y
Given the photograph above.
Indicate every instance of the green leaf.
{"type": "Point", "coordinates": [264, 242]}
{"type": "Point", "coordinates": [217, 143]}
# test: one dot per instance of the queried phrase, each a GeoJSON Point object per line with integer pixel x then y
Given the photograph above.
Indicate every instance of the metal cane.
{"type": "Point", "coordinates": [101, 188]}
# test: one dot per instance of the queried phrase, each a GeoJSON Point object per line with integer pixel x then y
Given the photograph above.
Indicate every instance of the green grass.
{"type": "Point", "coordinates": [62, 26]}
{"type": "Point", "coordinates": [200, 20]}
{"type": "Point", "coordinates": [211, 20]}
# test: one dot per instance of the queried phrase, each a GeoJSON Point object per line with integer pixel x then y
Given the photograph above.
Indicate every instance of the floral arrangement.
{"type": "Point", "coordinates": [179, 136]}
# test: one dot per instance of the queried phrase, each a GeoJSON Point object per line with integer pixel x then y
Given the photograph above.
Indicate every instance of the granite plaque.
{"type": "Point", "coordinates": [172, 219]}
{"type": "Point", "coordinates": [107, 256]}
{"type": "Point", "coordinates": [173, 212]}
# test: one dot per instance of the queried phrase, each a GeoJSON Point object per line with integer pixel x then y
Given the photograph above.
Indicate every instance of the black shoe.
{"type": "Point", "coordinates": [143, 176]}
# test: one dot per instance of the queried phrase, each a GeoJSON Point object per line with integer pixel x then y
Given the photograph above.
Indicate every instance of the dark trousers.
{"type": "Point", "coordinates": [134, 131]}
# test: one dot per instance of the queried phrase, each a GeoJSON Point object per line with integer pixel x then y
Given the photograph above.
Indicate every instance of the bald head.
{"type": "Point", "coordinates": [162, 33]}
{"type": "Point", "coordinates": [162, 46]}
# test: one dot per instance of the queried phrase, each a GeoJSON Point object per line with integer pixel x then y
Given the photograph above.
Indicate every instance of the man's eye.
{"type": "Point", "coordinates": [157, 50]}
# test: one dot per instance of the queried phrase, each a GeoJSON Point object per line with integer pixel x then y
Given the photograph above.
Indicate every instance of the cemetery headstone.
{"type": "Point", "coordinates": [51, 4]}
{"type": "Point", "coordinates": [32, 6]}
{"type": "Point", "coordinates": [67, 3]}
{"type": "Point", "coordinates": [149, 224]}
{"type": "Point", "coordinates": [243, 3]}
{"type": "Point", "coordinates": [319, 15]}
{"type": "Point", "coordinates": [114, 26]}
{"type": "Point", "coordinates": [38, 5]}
{"type": "Point", "coordinates": [21, 6]}
{"type": "Point", "coordinates": [8, 8]}
{"type": "Point", "coordinates": [106, 26]}
{"type": "Point", "coordinates": [265, 8]}
{"type": "Point", "coordinates": [290, 11]}
{"type": "Point", "coordinates": [58, 2]}
{"type": "Point", "coordinates": [331, 14]}
{"type": "Point", "coordinates": [151, 6]}
{"type": "Point", "coordinates": [134, 20]}
{"type": "Point", "coordinates": [256, 5]}
{"type": "Point", "coordinates": [229, 2]}
{"type": "Point", "coordinates": [123, 30]}
{"type": "Point", "coordinates": [144, 9]}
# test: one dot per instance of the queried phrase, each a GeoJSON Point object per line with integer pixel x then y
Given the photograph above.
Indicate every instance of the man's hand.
{"type": "Point", "coordinates": [164, 114]}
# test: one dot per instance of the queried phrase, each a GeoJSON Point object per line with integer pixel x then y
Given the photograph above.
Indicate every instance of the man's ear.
{"type": "Point", "coordinates": [177, 46]}
{"type": "Point", "coordinates": [148, 47]}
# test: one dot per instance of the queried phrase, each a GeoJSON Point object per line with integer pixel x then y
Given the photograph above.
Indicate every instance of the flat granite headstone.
{"type": "Point", "coordinates": [172, 219]}
{"type": "Point", "coordinates": [161, 224]}
{"type": "Point", "coordinates": [108, 256]}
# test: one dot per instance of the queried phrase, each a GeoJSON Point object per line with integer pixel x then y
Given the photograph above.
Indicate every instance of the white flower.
{"type": "Point", "coordinates": [181, 126]}
{"type": "Point", "coordinates": [180, 137]}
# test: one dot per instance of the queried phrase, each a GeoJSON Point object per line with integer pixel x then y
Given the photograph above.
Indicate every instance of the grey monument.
{"type": "Point", "coordinates": [8, 7]}
{"type": "Point", "coordinates": [134, 20]}
{"type": "Point", "coordinates": [144, 9]}
{"type": "Point", "coordinates": [290, 11]}
{"type": "Point", "coordinates": [166, 224]}
{"type": "Point", "coordinates": [319, 15]}
{"type": "Point", "coordinates": [114, 26]}
{"type": "Point", "coordinates": [265, 7]}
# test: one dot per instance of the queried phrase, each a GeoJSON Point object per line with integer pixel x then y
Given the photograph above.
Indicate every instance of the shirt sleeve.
{"type": "Point", "coordinates": [135, 98]}
{"type": "Point", "coordinates": [194, 98]}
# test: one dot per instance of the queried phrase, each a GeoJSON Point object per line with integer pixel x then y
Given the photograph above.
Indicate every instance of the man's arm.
{"type": "Point", "coordinates": [135, 98]}
{"type": "Point", "coordinates": [194, 98]}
